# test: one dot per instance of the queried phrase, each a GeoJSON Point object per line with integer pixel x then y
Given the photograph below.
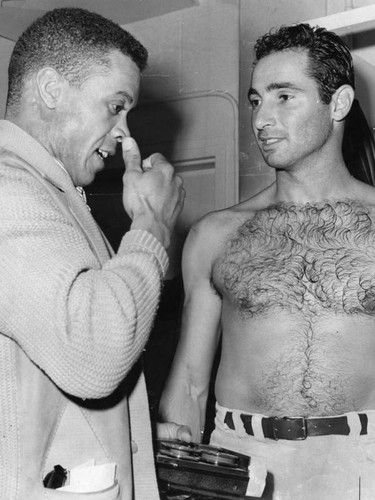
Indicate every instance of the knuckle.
{"type": "Point", "coordinates": [156, 158]}
{"type": "Point", "coordinates": [168, 168]}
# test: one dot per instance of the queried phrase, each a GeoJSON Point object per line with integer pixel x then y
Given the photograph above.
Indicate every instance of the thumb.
{"type": "Point", "coordinates": [131, 155]}
{"type": "Point", "coordinates": [184, 433]}
{"type": "Point", "coordinates": [171, 430]}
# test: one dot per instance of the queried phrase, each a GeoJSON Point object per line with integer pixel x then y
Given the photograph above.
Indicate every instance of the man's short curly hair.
{"type": "Point", "coordinates": [73, 41]}
{"type": "Point", "coordinates": [330, 60]}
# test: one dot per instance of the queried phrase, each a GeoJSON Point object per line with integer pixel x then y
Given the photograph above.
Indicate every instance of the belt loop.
{"type": "Point", "coordinates": [370, 414]}
{"type": "Point", "coordinates": [238, 424]}
{"type": "Point", "coordinates": [355, 424]}
{"type": "Point", "coordinates": [257, 427]}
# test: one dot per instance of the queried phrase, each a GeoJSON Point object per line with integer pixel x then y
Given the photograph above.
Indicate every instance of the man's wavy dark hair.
{"type": "Point", "coordinates": [73, 41]}
{"type": "Point", "coordinates": [331, 64]}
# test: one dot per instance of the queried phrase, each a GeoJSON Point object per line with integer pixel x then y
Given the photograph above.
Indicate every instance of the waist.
{"type": "Point", "coordinates": [294, 428]}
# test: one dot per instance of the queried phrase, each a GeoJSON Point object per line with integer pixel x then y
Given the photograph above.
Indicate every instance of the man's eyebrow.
{"type": "Point", "coordinates": [282, 85]}
{"type": "Point", "coordinates": [275, 86]}
{"type": "Point", "coordinates": [125, 95]}
{"type": "Point", "coordinates": [251, 92]}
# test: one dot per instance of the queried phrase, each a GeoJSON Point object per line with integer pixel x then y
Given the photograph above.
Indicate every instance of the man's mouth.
{"type": "Point", "coordinates": [102, 154]}
{"type": "Point", "coordinates": [268, 144]}
{"type": "Point", "coordinates": [269, 141]}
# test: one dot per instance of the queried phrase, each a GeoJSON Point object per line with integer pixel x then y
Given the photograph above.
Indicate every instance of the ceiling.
{"type": "Point", "coordinates": [16, 15]}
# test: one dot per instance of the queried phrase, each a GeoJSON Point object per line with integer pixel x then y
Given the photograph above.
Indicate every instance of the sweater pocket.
{"type": "Point", "coordinates": [112, 493]}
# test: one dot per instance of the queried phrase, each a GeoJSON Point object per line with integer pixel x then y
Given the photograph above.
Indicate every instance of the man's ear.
{"type": "Point", "coordinates": [49, 83]}
{"type": "Point", "coordinates": [342, 101]}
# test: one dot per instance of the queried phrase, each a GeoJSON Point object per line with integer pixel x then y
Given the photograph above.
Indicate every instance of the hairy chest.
{"type": "Point", "coordinates": [302, 258]}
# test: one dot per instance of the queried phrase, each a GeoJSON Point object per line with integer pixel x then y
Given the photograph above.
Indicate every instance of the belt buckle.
{"type": "Point", "coordinates": [289, 428]}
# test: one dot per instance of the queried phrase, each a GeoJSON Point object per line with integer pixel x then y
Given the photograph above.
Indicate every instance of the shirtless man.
{"type": "Point", "coordinates": [287, 280]}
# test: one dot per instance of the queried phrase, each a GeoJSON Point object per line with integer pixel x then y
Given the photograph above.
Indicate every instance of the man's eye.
{"type": "Point", "coordinates": [285, 97]}
{"type": "Point", "coordinates": [116, 108]}
{"type": "Point", "coordinates": [254, 103]}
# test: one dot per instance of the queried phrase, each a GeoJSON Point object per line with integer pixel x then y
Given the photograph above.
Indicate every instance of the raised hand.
{"type": "Point", "coordinates": [153, 194]}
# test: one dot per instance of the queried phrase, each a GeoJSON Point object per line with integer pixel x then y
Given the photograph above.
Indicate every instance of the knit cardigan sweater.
{"type": "Point", "coordinates": [74, 319]}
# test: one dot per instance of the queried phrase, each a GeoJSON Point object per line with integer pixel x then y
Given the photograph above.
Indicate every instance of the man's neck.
{"type": "Point", "coordinates": [314, 184]}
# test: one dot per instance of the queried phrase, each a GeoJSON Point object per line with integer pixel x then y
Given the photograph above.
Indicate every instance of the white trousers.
{"type": "Point", "coordinates": [318, 468]}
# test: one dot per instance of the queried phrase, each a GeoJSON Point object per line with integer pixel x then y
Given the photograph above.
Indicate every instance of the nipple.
{"type": "Point", "coordinates": [368, 304]}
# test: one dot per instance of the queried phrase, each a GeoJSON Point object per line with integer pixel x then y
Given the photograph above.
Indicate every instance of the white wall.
{"type": "Point", "coordinates": [192, 50]}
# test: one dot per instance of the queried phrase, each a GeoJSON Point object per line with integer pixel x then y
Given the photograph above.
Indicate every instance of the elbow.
{"type": "Point", "coordinates": [93, 389]}
{"type": "Point", "coordinates": [93, 378]}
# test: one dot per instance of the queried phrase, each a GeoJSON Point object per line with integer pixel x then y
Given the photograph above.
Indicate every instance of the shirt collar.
{"type": "Point", "coordinates": [79, 189]}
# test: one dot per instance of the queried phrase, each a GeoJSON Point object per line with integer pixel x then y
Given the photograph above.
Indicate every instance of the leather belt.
{"type": "Point", "coordinates": [298, 428]}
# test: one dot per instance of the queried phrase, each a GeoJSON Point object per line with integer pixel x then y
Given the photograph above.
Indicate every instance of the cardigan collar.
{"type": "Point", "coordinates": [32, 151]}
{"type": "Point", "coordinates": [38, 158]}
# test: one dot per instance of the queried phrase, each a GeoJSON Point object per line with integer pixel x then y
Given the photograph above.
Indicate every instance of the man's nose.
{"type": "Point", "coordinates": [120, 129]}
{"type": "Point", "coordinates": [264, 116]}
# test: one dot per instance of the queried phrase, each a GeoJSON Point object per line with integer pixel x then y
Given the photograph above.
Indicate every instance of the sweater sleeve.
{"type": "Point", "coordinates": [84, 324]}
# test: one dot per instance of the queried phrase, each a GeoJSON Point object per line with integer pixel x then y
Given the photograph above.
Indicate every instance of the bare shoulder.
{"type": "Point", "coordinates": [215, 227]}
{"type": "Point", "coordinates": [205, 243]}
{"type": "Point", "coordinates": [368, 195]}
{"type": "Point", "coordinates": [209, 235]}
{"type": "Point", "coordinates": [365, 194]}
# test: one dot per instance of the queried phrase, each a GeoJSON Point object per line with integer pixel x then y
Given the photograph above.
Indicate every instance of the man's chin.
{"type": "Point", "coordinates": [88, 181]}
{"type": "Point", "coordinates": [90, 177]}
{"type": "Point", "coordinates": [275, 162]}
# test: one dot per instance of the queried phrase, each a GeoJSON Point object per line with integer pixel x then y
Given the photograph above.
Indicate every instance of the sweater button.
{"type": "Point", "coordinates": [134, 446]}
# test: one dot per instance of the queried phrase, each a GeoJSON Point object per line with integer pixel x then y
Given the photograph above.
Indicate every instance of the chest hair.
{"type": "Point", "coordinates": [302, 258]}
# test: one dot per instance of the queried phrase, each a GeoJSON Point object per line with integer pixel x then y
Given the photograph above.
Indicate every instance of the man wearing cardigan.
{"type": "Point", "coordinates": [74, 316]}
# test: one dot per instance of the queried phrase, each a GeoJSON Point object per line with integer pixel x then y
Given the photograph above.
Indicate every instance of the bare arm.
{"type": "Point", "coordinates": [185, 395]}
